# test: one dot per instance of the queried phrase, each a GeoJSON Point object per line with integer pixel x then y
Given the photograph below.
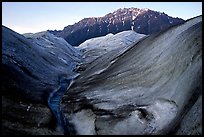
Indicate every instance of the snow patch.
{"type": "Point", "coordinates": [96, 47]}
{"type": "Point", "coordinates": [84, 122]}
{"type": "Point", "coordinates": [148, 22]}
{"type": "Point", "coordinates": [145, 9]}
{"type": "Point", "coordinates": [28, 108]}
{"type": "Point", "coordinates": [63, 60]}
{"type": "Point", "coordinates": [51, 52]}
{"type": "Point", "coordinates": [133, 17]}
{"type": "Point", "coordinates": [132, 27]}
{"type": "Point", "coordinates": [164, 111]}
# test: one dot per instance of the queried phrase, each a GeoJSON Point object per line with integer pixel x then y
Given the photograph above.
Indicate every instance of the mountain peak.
{"type": "Point", "coordinates": [132, 10]}
{"type": "Point", "coordinates": [144, 21]}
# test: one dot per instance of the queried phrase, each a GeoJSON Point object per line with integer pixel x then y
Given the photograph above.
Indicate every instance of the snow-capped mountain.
{"type": "Point", "coordinates": [96, 47]}
{"type": "Point", "coordinates": [143, 21]}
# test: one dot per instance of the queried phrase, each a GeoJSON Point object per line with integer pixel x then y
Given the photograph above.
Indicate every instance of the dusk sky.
{"type": "Point", "coordinates": [25, 17]}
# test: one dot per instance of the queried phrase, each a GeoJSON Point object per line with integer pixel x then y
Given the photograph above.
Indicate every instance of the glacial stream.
{"type": "Point", "coordinates": [54, 104]}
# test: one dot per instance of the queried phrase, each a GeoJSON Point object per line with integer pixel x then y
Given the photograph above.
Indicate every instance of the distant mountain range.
{"type": "Point", "coordinates": [144, 21]}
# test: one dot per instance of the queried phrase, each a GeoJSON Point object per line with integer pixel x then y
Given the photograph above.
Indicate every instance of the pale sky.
{"type": "Point", "coordinates": [25, 17]}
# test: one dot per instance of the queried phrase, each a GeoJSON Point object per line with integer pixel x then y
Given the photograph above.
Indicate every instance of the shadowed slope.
{"type": "Point", "coordinates": [32, 69]}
